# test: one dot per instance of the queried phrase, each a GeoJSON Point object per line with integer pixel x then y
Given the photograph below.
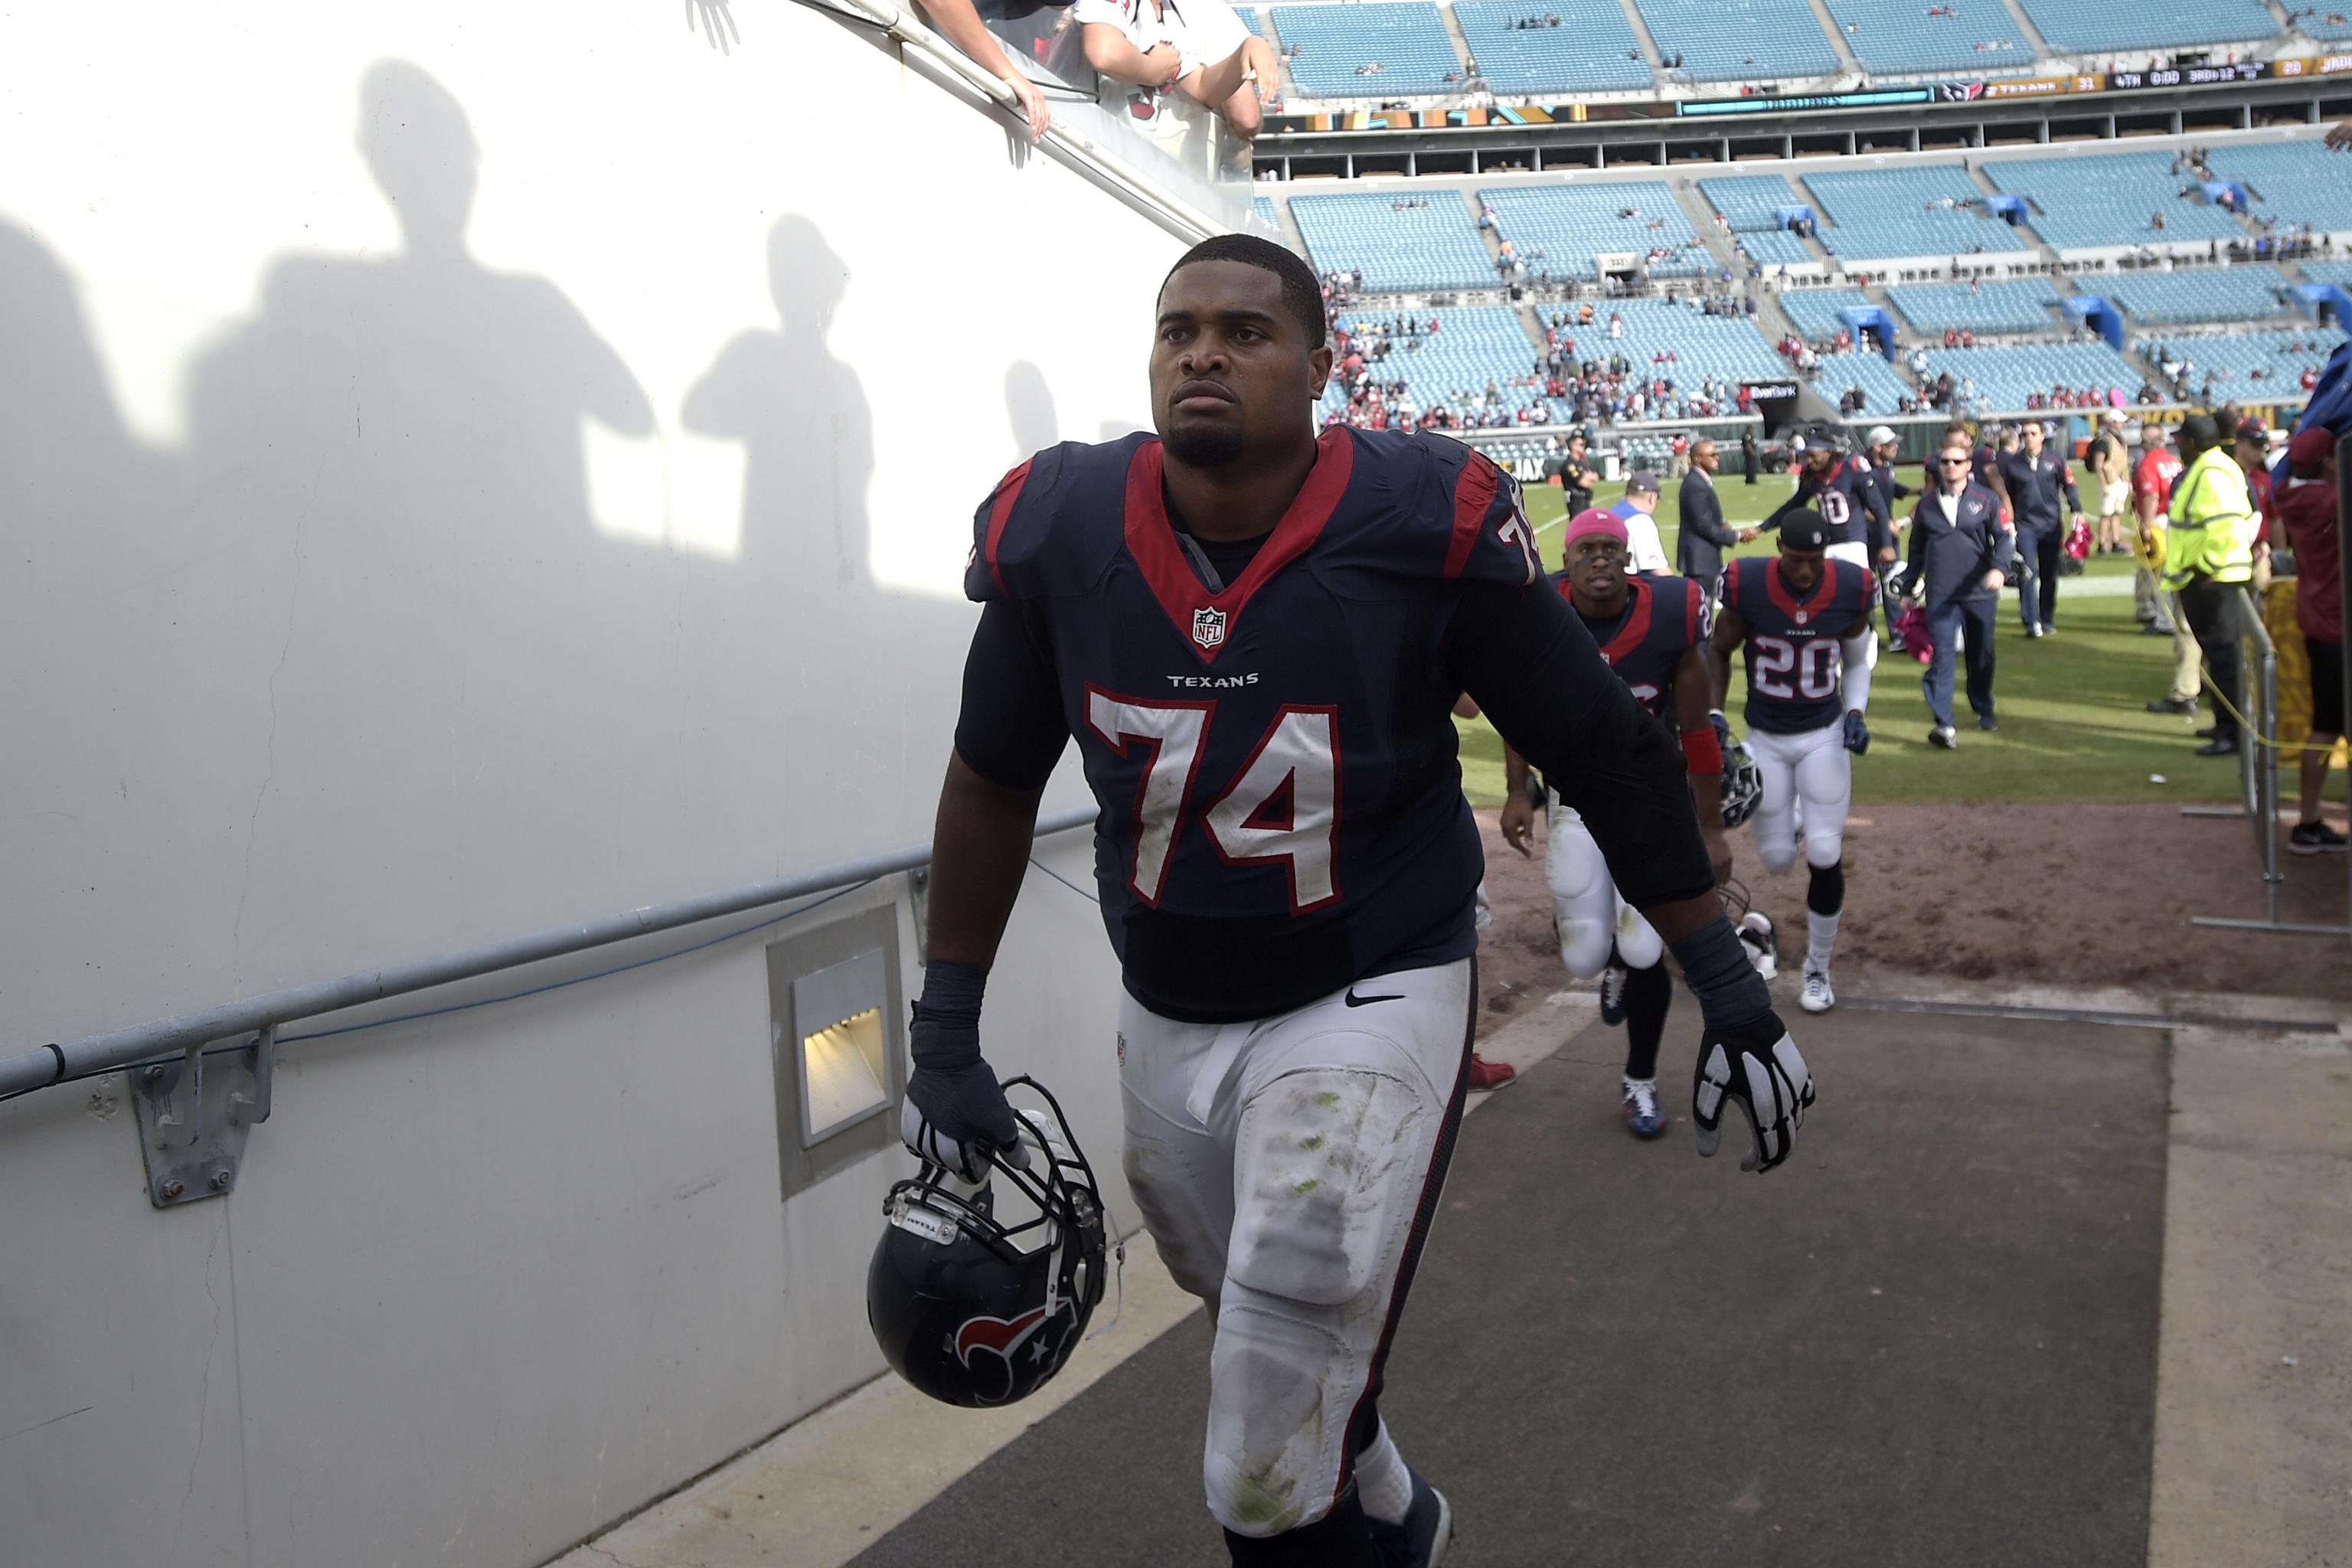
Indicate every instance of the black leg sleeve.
{"type": "Point", "coordinates": [1649, 993]}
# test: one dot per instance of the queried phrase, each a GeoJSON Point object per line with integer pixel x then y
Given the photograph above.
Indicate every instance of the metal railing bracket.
{"type": "Point", "coordinates": [192, 1118]}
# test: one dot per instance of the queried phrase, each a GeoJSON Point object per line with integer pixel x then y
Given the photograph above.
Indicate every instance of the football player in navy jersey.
{"type": "Point", "coordinates": [1803, 623]}
{"type": "Point", "coordinates": [1256, 636]}
{"type": "Point", "coordinates": [1653, 632]}
{"type": "Point", "coordinates": [1840, 490]}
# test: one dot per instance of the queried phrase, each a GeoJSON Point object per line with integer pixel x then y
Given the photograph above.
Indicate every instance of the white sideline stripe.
{"type": "Point", "coordinates": [824, 1490]}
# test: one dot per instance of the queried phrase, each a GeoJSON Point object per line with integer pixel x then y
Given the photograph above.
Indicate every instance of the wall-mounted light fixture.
{"type": "Point", "coordinates": [837, 1027]}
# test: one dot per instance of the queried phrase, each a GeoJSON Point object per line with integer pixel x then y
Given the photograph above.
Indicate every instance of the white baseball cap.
{"type": "Point", "coordinates": [1879, 434]}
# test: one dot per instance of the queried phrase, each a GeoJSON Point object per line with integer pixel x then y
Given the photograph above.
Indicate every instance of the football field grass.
{"type": "Point", "coordinates": [2072, 724]}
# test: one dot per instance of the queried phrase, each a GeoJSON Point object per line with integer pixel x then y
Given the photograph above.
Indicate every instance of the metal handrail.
{"type": "Point", "coordinates": [52, 1063]}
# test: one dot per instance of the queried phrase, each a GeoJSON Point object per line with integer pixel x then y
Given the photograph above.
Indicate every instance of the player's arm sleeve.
{"type": "Point", "coordinates": [1534, 670]}
{"type": "Point", "coordinates": [1010, 730]}
{"type": "Point", "coordinates": [1489, 541]}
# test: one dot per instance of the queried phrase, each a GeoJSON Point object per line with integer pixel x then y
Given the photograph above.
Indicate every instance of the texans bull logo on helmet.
{"type": "Point", "coordinates": [1009, 1358]}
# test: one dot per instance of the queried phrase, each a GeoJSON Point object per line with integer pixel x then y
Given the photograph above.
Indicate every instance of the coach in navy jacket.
{"type": "Point", "coordinates": [2037, 477]}
{"type": "Point", "coordinates": [1960, 555]}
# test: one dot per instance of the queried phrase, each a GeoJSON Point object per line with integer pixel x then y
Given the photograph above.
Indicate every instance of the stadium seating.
{"type": "Point", "coordinates": [1774, 247]}
{"type": "Point", "coordinates": [2293, 182]}
{"type": "Point", "coordinates": [2020, 306]}
{"type": "Point", "coordinates": [2005, 377]}
{"type": "Point", "coordinates": [1726, 346]}
{"type": "Point", "coordinates": [2207, 294]}
{"type": "Point", "coordinates": [1883, 389]}
{"type": "Point", "coordinates": [1262, 210]}
{"type": "Point", "coordinates": [2139, 27]}
{"type": "Point", "coordinates": [1558, 228]}
{"type": "Point", "coordinates": [1592, 50]}
{"type": "Point", "coordinates": [2109, 201]}
{"type": "Point", "coordinates": [2329, 22]}
{"type": "Point", "coordinates": [2336, 272]}
{"type": "Point", "coordinates": [1472, 344]}
{"type": "Point", "coordinates": [1748, 202]}
{"type": "Point", "coordinates": [1248, 14]}
{"type": "Point", "coordinates": [1814, 311]}
{"type": "Point", "coordinates": [2235, 357]}
{"type": "Point", "coordinates": [1892, 37]}
{"type": "Point", "coordinates": [1336, 43]}
{"type": "Point", "coordinates": [1889, 213]}
{"type": "Point", "coordinates": [1409, 249]}
{"type": "Point", "coordinates": [1735, 40]}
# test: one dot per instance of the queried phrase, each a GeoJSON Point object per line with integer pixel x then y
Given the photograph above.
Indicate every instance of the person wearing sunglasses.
{"type": "Point", "coordinates": [1960, 555]}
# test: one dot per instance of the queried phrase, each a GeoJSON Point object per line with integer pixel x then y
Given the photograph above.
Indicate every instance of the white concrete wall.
{"type": "Point", "coordinates": [447, 490]}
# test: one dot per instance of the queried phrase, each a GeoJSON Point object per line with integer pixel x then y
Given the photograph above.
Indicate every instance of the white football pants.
{"type": "Point", "coordinates": [1585, 908]}
{"type": "Point", "coordinates": [1817, 766]}
{"type": "Point", "coordinates": [1288, 1170]}
{"type": "Point", "coordinates": [1858, 553]}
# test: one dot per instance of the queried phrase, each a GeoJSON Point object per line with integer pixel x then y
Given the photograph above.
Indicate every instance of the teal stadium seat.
{"type": "Point", "coordinates": [2246, 293]}
{"type": "Point", "coordinates": [2020, 305]}
{"type": "Point", "coordinates": [1407, 41]}
{"type": "Point", "coordinates": [1248, 14]}
{"type": "Point", "coordinates": [1740, 40]}
{"type": "Point", "coordinates": [1436, 246]}
{"type": "Point", "coordinates": [2294, 182]}
{"type": "Point", "coordinates": [2280, 357]}
{"type": "Point", "coordinates": [1729, 348]}
{"type": "Point", "coordinates": [1592, 50]}
{"type": "Point", "coordinates": [1773, 248]}
{"type": "Point", "coordinates": [1882, 387]}
{"type": "Point", "coordinates": [1473, 344]}
{"type": "Point", "coordinates": [1883, 214]}
{"type": "Point", "coordinates": [2314, 21]}
{"type": "Point", "coordinates": [2109, 201]}
{"type": "Point", "coordinates": [2336, 272]}
{"type": "Point", "coordinates": [1558, 228]}
{"type": "Point", "coordinates": [1748, 202]}
{"type": "Point", "coordinates": [2007, 375]}
{"type": "Point", "coordinates": [1814, 311]}
{"type": "Point", "coordinates": [2139, 27]}
{"type": "Point", "coordinates": [1896, 37]}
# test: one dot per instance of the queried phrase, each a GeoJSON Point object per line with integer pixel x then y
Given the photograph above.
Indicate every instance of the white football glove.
{"type": "Point", "coordinates": [1757, 1067]}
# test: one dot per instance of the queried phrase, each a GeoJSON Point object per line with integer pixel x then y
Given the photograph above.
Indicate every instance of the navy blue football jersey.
{"type": "Point", "coordinates": [1664, 618]}
{"type": "Point", "coordinates": [1275, 761]}
{"type": "Point", "coordinates": [1792, 643]}
{"type": "Point", "coordinates": [1845, 497]}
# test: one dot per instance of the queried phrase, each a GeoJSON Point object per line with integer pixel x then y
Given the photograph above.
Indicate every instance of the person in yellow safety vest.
{"type": "Point", "coordinates": [2207, 559]}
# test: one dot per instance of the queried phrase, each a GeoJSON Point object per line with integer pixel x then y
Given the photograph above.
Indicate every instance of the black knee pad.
{"type": "Point", "coordinates": [1340, 1538]}
{"type": "Point", "coordinates": [1825, 894]}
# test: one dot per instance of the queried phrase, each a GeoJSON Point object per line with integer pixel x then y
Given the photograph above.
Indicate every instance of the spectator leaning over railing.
{"type": "Point", "coordinates": [2209, 559]}
{"type": "Point", "coordinates": [960, 20]}
{"type": "Point", "coordinates": [2308, 510]}
{"type": "Point", "coordinates": [1200, 49]}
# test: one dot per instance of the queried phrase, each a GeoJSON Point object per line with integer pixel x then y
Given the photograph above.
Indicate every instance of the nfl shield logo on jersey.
{"type": "Point", "coordinates": [1209, 627]}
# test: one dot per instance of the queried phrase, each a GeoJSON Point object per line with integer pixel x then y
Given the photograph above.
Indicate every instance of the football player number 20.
{"type": "Point", "coordinates": [1816, 675]}
{"type": "Point", "coordinates": [1283, 807]}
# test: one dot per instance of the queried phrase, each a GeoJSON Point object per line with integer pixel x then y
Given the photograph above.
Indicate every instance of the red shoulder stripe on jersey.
{"type": "Point", "coordinates": [1637, 622]}
{"type": "Point", "coordinates": [1692, 601]}
{"type": "Point", "coordinates": [1151, 538]}
{"type": "Point", "coordinates": [1473, 492]}
{"type": "Point", "coordinates": [1000, 512]}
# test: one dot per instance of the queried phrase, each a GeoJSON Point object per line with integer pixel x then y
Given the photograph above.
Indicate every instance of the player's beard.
{"type": "Point", "coordinates": [1204, 446]}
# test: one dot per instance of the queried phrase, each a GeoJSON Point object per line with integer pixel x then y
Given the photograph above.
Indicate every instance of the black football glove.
{"type": "Point", "coordinates": [954, 1114]}
{"type": "Point", "coordinates": [1857, 734]}
{"type": "Point", "coordinates": [1757, 1067]}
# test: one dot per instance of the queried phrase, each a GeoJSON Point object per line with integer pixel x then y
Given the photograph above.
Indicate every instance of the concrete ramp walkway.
{"type": "Point", "coordinates": [1931, 1341]}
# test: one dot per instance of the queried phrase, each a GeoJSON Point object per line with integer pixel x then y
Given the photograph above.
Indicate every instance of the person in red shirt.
{"type": "Point", "coordinates": [2307, 514]}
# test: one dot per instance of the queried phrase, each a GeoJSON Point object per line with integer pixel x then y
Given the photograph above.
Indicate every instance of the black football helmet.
{"type": "Point", "coordinates": [975, 1312]}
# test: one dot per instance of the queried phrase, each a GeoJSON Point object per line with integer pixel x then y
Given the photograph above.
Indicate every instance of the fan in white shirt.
{"type": "Point", "coordinates": [1198, 48]}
